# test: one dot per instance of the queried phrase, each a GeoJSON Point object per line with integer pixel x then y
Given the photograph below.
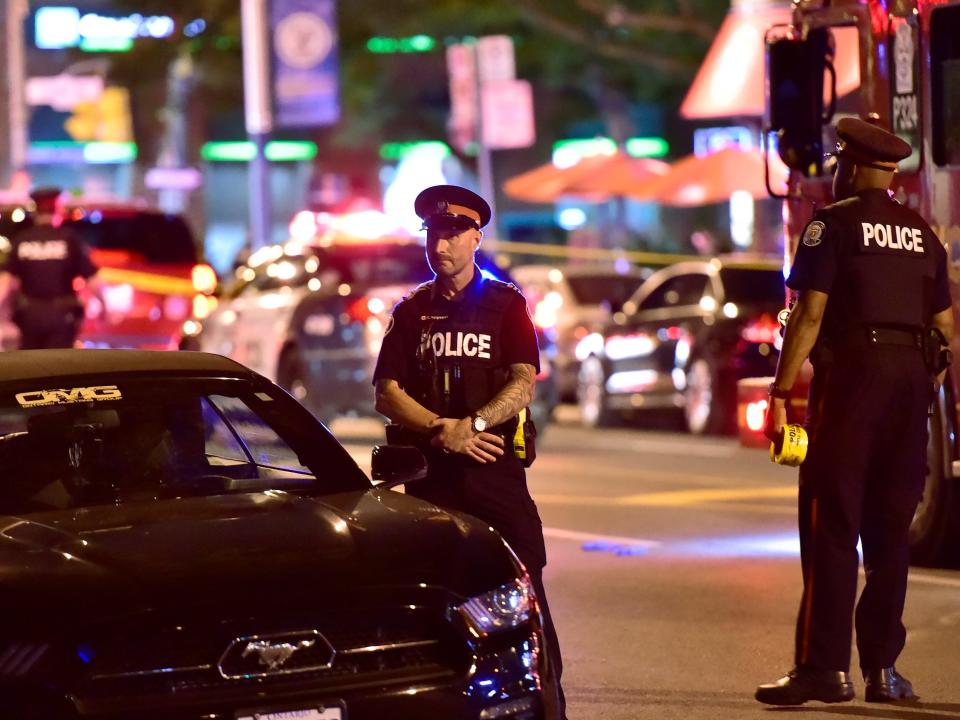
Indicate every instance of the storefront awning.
{"type": "Point", "coordinates": [730, 82]}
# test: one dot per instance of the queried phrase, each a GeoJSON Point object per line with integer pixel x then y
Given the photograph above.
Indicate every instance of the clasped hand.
{"type": "Point", "coordinates": [457, 436]}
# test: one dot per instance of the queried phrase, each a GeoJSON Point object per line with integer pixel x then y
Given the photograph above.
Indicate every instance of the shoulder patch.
{"type": "Point", "coordinates": [814, 233]}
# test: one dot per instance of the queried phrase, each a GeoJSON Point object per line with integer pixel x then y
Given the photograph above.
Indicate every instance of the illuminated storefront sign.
{"type": "Point", "coordinates": [56, 28]}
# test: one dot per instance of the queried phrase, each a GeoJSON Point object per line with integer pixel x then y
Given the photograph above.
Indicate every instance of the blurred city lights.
{"type": "Point", "coordinates": [243, 151]}
{"type": "Point", "coordinates": [413, 44]}
{"type": "Point", "coordinates": [571, 218]}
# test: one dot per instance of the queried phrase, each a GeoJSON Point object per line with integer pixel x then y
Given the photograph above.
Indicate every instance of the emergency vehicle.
{"type": "Point", "coordinates": [909, 75]}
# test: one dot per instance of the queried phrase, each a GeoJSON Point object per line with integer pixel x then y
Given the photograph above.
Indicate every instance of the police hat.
{"type": "Point", "coordinates": [870, 144]}
{"type": "Point", "coordinates": [445, 203]}
{"type": "Point", "coordinates": [45, 196]}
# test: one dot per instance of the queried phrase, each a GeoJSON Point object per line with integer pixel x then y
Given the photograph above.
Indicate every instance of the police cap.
{"type": "Point", "coordinates": [870, 144]}
{"type": "Point", "coordinates": [45, 198]}
{"type": "Point", "coordinates": [451, 204]}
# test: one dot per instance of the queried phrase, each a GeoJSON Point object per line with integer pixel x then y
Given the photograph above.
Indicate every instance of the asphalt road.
{"type": "Point", "coordinates": [674, 580]}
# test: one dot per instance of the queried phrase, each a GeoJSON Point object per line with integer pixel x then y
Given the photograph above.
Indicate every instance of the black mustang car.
{"type": "Point", "coordinates": [181, 539]}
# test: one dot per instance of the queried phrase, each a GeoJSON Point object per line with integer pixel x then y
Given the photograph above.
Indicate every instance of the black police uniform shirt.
{"type": "Point", "coordinates": [879, 262]}
{"type": "Point", "coordinates": [46, 260]}
{"type": "Point", "coordinates": [427, 329]}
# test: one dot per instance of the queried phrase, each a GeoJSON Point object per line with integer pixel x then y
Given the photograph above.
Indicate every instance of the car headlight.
{"type": "Point", "coordinates": [503, 608]}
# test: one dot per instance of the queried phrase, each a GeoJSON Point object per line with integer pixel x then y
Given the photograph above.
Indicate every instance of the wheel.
{"type": "Point", "coordinates": [934, 537]}
{"type": "Point", "coordinates": [592, 395]}
{"type": "Point", "coordinates": [702, 407]}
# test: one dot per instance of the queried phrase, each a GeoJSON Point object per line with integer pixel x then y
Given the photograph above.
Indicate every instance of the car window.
{"type": "Point", "coordinates": [158, 238]}
{"type": "Point", "coordinates": [137, 441]}
{"type": "Point", "coordinates": [610, 288]}
{"type": "Point", "coordinates": [679, 290]}
{"type": "Point", "coordinates": [747, 286]}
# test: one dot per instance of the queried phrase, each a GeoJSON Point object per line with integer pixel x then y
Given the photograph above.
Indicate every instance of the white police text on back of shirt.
{"type": "Point", "coordinates": [893, 237]}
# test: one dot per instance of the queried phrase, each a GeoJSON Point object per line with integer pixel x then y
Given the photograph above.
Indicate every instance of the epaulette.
{"type": "Point", "coordinates": [500, 285]}
{"type": "Point", "coordinates": [422, 287]}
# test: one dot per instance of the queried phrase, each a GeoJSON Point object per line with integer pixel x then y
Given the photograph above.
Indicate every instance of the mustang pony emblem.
{"type": "Point", "coordinates": [274, 656]}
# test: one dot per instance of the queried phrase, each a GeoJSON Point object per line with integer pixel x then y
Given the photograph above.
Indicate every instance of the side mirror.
{"type": "Point", "coordinates": [394, 465]}
{"type": "Point", "coordinates": [795, 107]}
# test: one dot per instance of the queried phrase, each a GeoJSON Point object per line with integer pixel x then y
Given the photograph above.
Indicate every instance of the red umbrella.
{"type": "Point", "coordinates": [597, 178]}
{"type": "Point", "coordinates": [702, 180]}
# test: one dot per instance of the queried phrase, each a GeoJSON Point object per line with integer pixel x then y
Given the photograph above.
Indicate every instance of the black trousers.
{"type": "Point", "coordinates": [497, 494]}
{"type": "Point", "coordinates": [863, 477]}
{"type": "Point", "coordinates": [48, 323]}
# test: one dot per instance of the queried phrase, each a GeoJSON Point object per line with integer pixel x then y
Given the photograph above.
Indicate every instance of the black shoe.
{"type": "Point", "coordinates": [803, 684]}
{"type": "Point", "coordinates": [887, 685]}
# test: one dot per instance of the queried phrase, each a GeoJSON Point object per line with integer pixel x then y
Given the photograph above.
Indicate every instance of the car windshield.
{"type": "Point", "coordinates": [142, 440]}
{"type": "Point", "coordinates": [747, 286]}
{"type": "Point", "coordinates": [611, 288]}
{"type": "Point", "coordinates": [159, 238]}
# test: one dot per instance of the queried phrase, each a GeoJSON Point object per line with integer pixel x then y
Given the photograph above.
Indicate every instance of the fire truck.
{"type": "Point", "coordinates": [904, 58]}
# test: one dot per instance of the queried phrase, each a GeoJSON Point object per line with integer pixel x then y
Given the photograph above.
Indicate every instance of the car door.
{"type": "Point", "coordinates": [671, 315]}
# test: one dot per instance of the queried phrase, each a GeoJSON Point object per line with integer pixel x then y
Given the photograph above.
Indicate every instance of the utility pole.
{"type": "Point", "coordinates": [259, 116]}
{"type": "Point", "coordinates": [13, 112]}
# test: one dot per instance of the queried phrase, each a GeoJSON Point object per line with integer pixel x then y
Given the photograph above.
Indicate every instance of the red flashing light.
{"type": "Point", "coordinates": [764, 329]}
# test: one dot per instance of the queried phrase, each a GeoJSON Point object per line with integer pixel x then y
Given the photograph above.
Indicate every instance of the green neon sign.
{"type": "Point", "coordinates": [647, 147]}
{"type": "Point", "coordinates": [640, 147]}
{"type": "Point", "coordinates": [396, 151]}
{"type": "Point", "coordinates": [106, 45]}
{"type": "Point", "coordinates": [243, 151]}
{"type": "Point", "coordinates": [412, 44]}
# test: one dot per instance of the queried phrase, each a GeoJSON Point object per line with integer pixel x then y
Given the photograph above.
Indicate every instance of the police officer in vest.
{"type": "Point", "coordinates": [44, 260]}
{"type": "Point", "coordinates": [457, 366]}
{"type": "Point", "coordinates": [873, 295]}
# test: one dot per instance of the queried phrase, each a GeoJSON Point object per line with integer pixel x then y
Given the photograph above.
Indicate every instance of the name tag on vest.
{"type": "Point", "coordinates": [892, 237]}
{"type": "Point", "coordinates": [460, 344]}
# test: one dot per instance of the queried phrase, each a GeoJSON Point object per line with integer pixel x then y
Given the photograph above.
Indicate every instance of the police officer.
{"type": "Point", "coordinates": [45, 259]}
{"type": "Point", "coordinates": [871, 277]}
{"type": "Point", "coordinates": [458, 364]}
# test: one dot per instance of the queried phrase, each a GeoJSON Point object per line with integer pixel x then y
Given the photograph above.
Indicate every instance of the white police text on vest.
{"type": "Point", "coordinates": [42, 250]}
{"type": "Point", "coordinates": [893, 237]}
{"type": "Point", "coordinates": [460, 344]}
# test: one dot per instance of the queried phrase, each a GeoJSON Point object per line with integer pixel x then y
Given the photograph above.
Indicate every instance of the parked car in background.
{"type": "Point", "coordinates": [312, 315]}
{"type": "Point", "coordinates": [151, 286]}
{"type": "Point", "coordinates": [181, 539]}
{"type": "Point", "coordinates": [568, 302]}
{"type": "Point", "coordinates": [683, 341]}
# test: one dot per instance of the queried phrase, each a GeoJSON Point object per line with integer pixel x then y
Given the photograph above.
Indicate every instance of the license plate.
{"type": "Point", "coordinates": [321, 713]}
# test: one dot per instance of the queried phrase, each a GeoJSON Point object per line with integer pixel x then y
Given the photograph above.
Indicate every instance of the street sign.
{"type": "Point", "coordinates": [162, 178]}
{"type": "Point", "coordinates": [495, 58]}
{"type": "Point", "coordinates": [461, 69]}
{"type": "Point", "coordinates": [508, 115]}
{"type": "Point", "coordinates": [64, 92]}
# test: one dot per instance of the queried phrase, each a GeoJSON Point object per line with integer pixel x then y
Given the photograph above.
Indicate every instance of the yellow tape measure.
{"type": "Point", "coordinates": [791, 449]}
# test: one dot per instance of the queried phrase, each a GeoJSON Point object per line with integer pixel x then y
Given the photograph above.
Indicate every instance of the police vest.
{"type": "Point", "coordinates": [888, 267]}
{"type": "Point", "coordinates": [459, 354]}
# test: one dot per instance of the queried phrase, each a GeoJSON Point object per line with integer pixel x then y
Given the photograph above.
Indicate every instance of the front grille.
{"type": "Point", "coordinates": [334, 653]}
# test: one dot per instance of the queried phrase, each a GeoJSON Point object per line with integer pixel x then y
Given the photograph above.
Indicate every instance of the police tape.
{"type": "Point", "coordinates": [791, 448]}
{"type": "Point", "coordinates": [148, 282]}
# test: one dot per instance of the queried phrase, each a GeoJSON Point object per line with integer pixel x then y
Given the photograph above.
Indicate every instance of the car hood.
{"type": "Point", "coordinates": [242, 549]}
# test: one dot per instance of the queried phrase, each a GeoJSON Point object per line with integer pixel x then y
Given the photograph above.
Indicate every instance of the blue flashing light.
{"type": "Point", "coordinates": [619, 549]}
{"type": "Point", "coordinates": [85, 653]}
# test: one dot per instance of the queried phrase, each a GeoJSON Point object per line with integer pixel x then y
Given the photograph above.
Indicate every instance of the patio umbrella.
{"type": "Point", "coordinates": [702, 180]}
{"type": "Point", "coordinates": [595, 178]}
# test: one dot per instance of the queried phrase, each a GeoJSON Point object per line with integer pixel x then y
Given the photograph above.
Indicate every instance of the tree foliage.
{"type": "Point", "coordinates": [578, 53]}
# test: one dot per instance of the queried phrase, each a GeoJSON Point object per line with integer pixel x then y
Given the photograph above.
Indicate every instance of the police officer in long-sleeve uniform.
{"type": "Point", "coordinates": [457, 367]}
{"type": "Point", "coordinates": [45, 260]}
{"type": "Point", "coordinates": [873, 293]}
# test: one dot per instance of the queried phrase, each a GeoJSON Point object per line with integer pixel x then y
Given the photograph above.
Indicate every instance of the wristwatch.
{"type": "Point", "coordinates": [479, 424]}
{"type": "Point", "coordinates": [778, 392]}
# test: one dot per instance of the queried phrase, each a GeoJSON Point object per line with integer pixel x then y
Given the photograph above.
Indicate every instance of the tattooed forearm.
{"type": "Point", "coordinates": [515, 395]}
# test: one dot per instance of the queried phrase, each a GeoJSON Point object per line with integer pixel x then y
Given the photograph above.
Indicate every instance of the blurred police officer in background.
{"type": "Point", "coordinates": [456, 370]}
{"type": "Point", "coordinates": [873, 296]}
{"type": "Point", "coordinates": [44, 260]}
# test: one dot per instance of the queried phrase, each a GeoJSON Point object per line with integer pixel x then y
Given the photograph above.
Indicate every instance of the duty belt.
{"type": "Point", "coordinates": [888, 336]}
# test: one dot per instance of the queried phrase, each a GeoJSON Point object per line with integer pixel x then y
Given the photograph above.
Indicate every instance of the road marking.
{"type": "Point", "coordinates": [923, 579]}
{"type": "Point", "coordinates": [561, 534]}
{"type": "Point", "coordinates": [685, 448]}
{"type": "Point", "coordinates": [674, 498]}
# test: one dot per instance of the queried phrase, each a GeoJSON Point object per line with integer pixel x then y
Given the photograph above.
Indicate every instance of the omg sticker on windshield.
{"type": "Point", "coordinates": [40, 398]}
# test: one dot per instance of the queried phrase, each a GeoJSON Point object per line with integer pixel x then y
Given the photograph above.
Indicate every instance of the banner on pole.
{"type": "Point", "coordinates": [305, 63]}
